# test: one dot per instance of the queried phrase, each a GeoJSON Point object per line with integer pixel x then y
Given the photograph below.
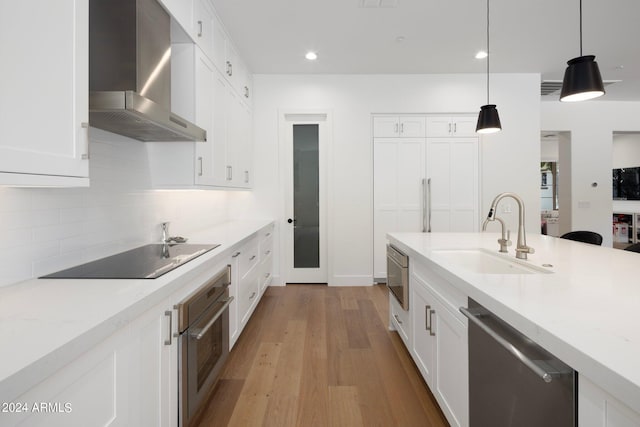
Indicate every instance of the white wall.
{"type": "Point", "coordinates": [591, 125]}
{"type": "Point", "coordinates": [45, 230]}
{"type": "Point", "coordinates": [509, 160]}
{"type": "Point", "coordinates": [626, 150]}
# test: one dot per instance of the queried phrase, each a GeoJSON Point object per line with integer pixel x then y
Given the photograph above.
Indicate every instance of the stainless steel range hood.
{"type": "Point", "coordinates": [130, 72]}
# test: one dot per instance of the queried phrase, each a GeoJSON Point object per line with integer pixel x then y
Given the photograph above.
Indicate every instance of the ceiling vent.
{"type": "Point", "coordinates": [373, 4]}
{"type": "Point", "coordinates": [550, 87]}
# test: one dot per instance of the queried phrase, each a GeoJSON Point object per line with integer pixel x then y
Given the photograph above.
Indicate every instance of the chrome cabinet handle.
{"type": "Point", "coordinates": [433, 334]}
{"type": "Point", "coordinates": [424, 205]}
{"type": "Point", "coordinates": [169, 314]}
{"type": "Point", "coordinates": [246, 92]}
{"type": "Point", "coordinates": [428, 205]}
{"type": "Point", "coordinates": [426, 318]}
{"type": "Point", "coordinates": [200, 28]}
{"type": "Point", "coordinates": [229, 173]}
{"type": "Point", "coordinates": [199, 166]}
{"type": "Point", "coordinates": [253, 294]}
{"type": "Point", "coordinates": [246, 177]}
{"type": "Point", "coordinates": [235, 255]}
{"type": "Point", "coordinates": [252, 258]}
{"type": "Point", "coordinates": [85, 132]}
{"type": "Point", "coordinates": [397, 319]}
{"type": "Point", "coordinates": [267, 253]}
{"type": "Point", "coordinates": [401, 128]}
{"type": "Point", "coordinates": [199, 333]}
{"type": "Point", "coordinates": [449, 127]}
{"type": "Point", "coordinates": [546, 376]}
{"type": "Point", "coordinates": [455, 127]}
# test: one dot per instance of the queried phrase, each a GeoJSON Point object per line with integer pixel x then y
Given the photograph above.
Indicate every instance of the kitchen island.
{"type": "Point", "coordinates": [581, 303]}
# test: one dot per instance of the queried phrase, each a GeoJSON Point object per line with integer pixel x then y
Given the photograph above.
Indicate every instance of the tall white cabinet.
{"type": "Point", "coordinates": [423, 182]}
{"type": "Point", "coordinates": [44, 93]}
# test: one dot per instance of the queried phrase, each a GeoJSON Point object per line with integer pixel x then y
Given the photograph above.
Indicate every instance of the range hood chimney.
{"type": "Point", "coordinates": [130, 72]}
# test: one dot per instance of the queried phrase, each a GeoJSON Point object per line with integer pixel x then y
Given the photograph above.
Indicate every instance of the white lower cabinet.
{"type": "Point", "coordinates": [440, 349]}
{"type": "Point", "coordinates": [251, 270]}
{"type": "Point", "coordinates": [399, 320]}
{"type": "Point", "coordinates": [128, 379]}
{"type": "Point", "coordinates": [597, 408]}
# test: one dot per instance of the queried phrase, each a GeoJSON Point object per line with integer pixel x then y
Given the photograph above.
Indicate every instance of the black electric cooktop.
{"type": "Point", "coordinates": [146, 262]}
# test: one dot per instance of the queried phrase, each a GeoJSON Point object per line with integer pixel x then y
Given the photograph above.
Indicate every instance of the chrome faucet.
{"type": "Point", "coordinates": [521, 248]}
{"type": "Point", "coordinates": [504, 241]}
{"type": "Point", "coordinates": [165, 232]}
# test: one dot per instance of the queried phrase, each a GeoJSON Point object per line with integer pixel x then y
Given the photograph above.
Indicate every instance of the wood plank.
{"type": "Point", "coordinates": [282, 407]}
{"type": "Point", "coordinates": [340, 366]}
{"type": "Point", "coordinates": [222, 403]}
{"type": "Point", "coordinates": [344, 406]}
{"type": "Point", "coordinates": [258, 386]}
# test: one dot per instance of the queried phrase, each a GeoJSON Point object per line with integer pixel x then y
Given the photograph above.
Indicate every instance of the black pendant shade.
{"type": "Point", "coordinates": [488, 119]}
{"type": "Point", "coordinates": [582, 80]}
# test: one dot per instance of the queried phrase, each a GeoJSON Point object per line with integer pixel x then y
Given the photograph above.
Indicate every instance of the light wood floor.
{"type": "Point", "coordinates": [313, 355]}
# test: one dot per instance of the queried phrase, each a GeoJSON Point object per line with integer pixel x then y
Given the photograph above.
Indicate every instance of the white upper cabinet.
{"type": "Point", "coordinates": [398, 126]}
{"type": "Point", "coordinates": [44, 93]}
{"type": "Point", "coordinates": [457, 126]}
{"type": "Point", "coordinates": [204, 23]}
{"type": "Point", "coordinates": [182, 13]}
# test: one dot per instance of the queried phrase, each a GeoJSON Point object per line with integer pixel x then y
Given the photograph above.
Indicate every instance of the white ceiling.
{"type": "Point", "coordinates": [440, 36]}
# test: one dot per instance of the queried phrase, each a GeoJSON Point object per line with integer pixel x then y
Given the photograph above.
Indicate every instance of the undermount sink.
{"type": "Point", "coordinates": [483, 261]}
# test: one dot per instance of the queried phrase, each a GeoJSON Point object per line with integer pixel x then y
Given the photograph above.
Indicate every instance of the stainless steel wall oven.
{"type": "Point", "coordinates": [203, 344]}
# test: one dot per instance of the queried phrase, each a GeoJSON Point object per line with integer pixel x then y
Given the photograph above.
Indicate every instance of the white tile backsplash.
{"type": "Point", "coordinates": [45, 230]}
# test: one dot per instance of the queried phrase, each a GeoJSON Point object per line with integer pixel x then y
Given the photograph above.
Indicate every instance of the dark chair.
{"type": "Point", "coordinates": [583, 236]}
{"type": "Point", "coordinates": [633, 248]}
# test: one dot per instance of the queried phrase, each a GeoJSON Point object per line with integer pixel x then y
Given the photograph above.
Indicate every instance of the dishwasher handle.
{"type": "Point", "coordinates": [546, 376]}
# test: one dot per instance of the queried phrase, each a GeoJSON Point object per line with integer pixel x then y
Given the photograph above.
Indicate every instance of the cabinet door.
{"type": "Point", "coordinates": [386, 126]}
{"type": "Point", "coordinates": [204, 105]}
{"type": "Point", "coordinates": [422, 304]}
{"type": "Point", "coordinates": [597, 408]}
{"type": "Point", "coordinates": [44, 87]}
{"type": "Point", "coordinates": [398, 172]}
{"type": "Point", "coordinates": [182, 12]}
{"type": "Point", "coordinates": [451, 364]}
{"type": "Point", "coordinates": [411, 126]}
{"type": "Point", "coordinates": [219, 137]}
{"type": "Point", "coordinates": [452, 167]}
{"type": "Point", "coordinates": [203, 26]}
{"type": "Point", "coordinates": [439, 126]}
{"type": "Point", "coordinates": [464, 126]}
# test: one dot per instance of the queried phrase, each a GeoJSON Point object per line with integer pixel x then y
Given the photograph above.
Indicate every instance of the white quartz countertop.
{"type": "Point", "coordinates": [47, 323]}
{"type": "Point", "coordinates": [587, 312]}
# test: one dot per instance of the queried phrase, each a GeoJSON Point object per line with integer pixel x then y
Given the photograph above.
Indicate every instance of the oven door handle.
{"type": "Point", "coordinates": [199, 333]}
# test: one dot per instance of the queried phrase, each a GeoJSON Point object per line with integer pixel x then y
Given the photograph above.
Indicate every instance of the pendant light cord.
{"type": "Point", "coordinates": [580, 27]}
{"type": "Point", "coordinates": [489, 55]}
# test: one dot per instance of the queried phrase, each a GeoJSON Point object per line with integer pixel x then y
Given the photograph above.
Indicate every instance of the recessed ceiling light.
{"type": "Point", "coordinates": [311, 56]}
{"type": "Point", "coordinates": [481, 54]}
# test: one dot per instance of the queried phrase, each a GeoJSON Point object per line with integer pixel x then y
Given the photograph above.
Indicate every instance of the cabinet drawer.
{"type": "Point", "coordinates": [399, 319]}
{"type": "Point", "coordinates": [249, 257]}
{"type": "Point", "coordinates": [266, 272]}
{"type": "Point", "coordinates": [248, 295]}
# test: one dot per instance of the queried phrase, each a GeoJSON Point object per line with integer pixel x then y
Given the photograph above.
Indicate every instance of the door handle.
{"type": "Point", "coordinates": [292, 221]}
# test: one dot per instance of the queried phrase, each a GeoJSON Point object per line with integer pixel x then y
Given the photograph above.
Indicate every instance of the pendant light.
{"type": "Point", "coordinates": [488, 119]}
{"type": "Point", "coordinates": [582, 78]}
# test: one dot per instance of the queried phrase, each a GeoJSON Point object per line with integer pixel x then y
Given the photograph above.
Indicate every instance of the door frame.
{"type": "Point", "coordinates": [286, 119]}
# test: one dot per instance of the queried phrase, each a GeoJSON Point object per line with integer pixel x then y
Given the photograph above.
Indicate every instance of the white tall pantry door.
{"type": "Point", "coordinates": [449, 203]}
{"type": "Point", "coordinates": [397, 197]}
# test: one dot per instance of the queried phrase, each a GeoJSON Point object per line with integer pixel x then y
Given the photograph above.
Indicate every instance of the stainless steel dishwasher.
{"type": "Point", "coordinates": [512, 380]}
